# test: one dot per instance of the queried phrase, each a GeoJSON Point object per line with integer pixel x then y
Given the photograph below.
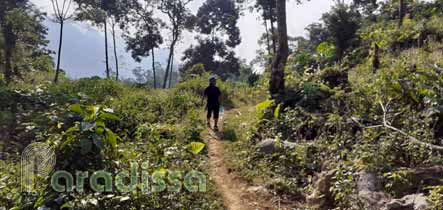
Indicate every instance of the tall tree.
{"type": "Point", "coordinates": [154, 72]}
{"type": "Point", "coordinates": [401, 12]}
{"type": "Point", "coordinates": [341, 24]}
{"type": "Point", "coordinates": [268, 11]}
{"type": "Point", "coordinates": [95, 11]}
{"type": "Point", "coordinates": [277, 81]}
{"type": "Point", "coordinates": [62, 14]}
{"type": "Point", "coordinates": [144, 35]}
{"type": "Point", "coordinates": [10, 38]}
{"type": "Point", "coordinates": [219, 35]}
{"type": "Point", "coordinates": [23, 36]}
{"type": "Point", "coordinates": [98, 12]}
{"type": "Point", "coordinates": [178, 15]}
{"type": "Point", "coordinates": [113, 32]}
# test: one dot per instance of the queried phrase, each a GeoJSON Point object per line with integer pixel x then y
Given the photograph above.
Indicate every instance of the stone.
{"type": "Point", "coordinates": [267, 146]}
{"type": "Point", "coordinates": [409, 202]}
{"type": "Point", "coordinates": [321, 197]}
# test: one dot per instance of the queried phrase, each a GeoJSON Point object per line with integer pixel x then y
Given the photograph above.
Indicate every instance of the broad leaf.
{"type": "Point", "coordinates": [111, 138]}
{"type": "Point", "coordinates": [108, 116]}
{"type": "Point", "coordinates": [77, 108]}
{"type": "Point", "coordinates": [196, 147]}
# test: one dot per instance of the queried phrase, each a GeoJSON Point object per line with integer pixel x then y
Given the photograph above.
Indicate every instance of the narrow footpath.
{"type": "Point", "coordinates": [236, 192]}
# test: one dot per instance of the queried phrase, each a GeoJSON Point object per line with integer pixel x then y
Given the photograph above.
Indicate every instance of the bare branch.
{"type": "Point", "coordinates": [62, 14]}
{"type": "Point", "coordinates": [410, 138]}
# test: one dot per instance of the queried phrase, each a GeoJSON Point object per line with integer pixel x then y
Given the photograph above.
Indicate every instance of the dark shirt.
{"type": "Point", "coordinates": [213, 93]}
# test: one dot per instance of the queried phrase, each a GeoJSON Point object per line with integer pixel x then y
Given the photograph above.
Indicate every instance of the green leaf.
{"type": "Point", "coordinates": [86, 146]}
{"type": "Point", "coordinates": [277, 111]}
{"type": "Point", "coordinates": [100, 123]}
{"type": "Point", "coordinates": [111, 138]}
{"type": "Point", "coordinates": [72, 130]}
{"type": "Point", "coordinates": [77, 108]}
{"type": "Point", "coordinates": [263, 105]}
{"type": "Point", "coordinates": [99, 130]}
{"type": "Point", "coordinates": [68, 141]}
{"type": "Point", "coordinates": [108, 116]}
{"type": "Point", "coordinates": [196, 147]}
{"type": "Point", "coordinates": [161, 171]}
{"type": "Point", "coordinates": [66, 205]}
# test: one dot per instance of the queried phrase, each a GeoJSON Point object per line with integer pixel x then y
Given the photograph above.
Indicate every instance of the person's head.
{"type": "Point", "coordinates": [213, 80]}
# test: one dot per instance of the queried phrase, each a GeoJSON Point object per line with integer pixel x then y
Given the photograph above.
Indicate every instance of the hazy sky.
{"type": "Point", "coordinates": [83, 50]}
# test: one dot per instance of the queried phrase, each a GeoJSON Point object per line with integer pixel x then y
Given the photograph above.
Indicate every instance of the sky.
{"type": "Point", "coordinates": [83, 45]}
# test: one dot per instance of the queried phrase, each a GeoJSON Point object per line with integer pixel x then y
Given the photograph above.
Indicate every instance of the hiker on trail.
{"type": "Point", "coordinates": [213, 94]}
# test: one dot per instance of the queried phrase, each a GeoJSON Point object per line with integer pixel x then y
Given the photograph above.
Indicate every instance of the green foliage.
{"type": "Point", "coordinates": [326, 50]}
{"type": "Point", "coordinates": [195, 71]}
{"type": "Point", "coordinates": [93, 90]}
{"type": "Point", "coordinates": [262, 107]}
{"type": "Point", "coordinates": [123, 125]}
{"type": "Point", "coordinates": [436, 197]}
{"type": "Point", "coordinates": [91, 130]}
{"type": "Point", "coordinates": [396, 181]}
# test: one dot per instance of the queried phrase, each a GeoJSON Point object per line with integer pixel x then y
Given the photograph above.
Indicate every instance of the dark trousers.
{"type": "Point", "coordinates": [213, 110]}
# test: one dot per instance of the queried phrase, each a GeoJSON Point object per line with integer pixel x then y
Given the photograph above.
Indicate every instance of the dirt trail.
{"type": "Point", "coordinates": [237, 193]}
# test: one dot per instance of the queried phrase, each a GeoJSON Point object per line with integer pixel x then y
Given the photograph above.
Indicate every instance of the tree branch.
{"type": "Point", "coordinates": [410, 138]}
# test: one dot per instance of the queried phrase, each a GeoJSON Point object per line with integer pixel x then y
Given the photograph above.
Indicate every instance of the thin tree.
{"type": "Point", "coordinates": [401, 12]}
{"type": "Point", "coordinates": [98, 12]}
{"type": "Point", "coordinates": [114, 23]}
{"type": "Point", "coordinates": [105, 22]}
{"type": "Point", "coordinates": [172, 68]}
{"type": "Point", "coordinates": [177, 14]}
{"type": "Point", "coordinates": [62, 14]}
{"type": "Point", "coordinates": [277, 81]}
{"type": "Point", "coordinates": [143, 35]}
{"type": "Point", "coordinates": [153, 68]}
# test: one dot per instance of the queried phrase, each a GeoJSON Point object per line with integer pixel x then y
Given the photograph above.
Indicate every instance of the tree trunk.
{"type": "Point", "coordinates": [273, 36]}
{"type": "Point", "coordinates": [401, 12]}
{"type": "Point", "coordinates": [106, 50]}
{"type": "Point", "coordinates": [376, 59]}
{"type": "Point", "coordinates": [57, 71]}
{"type": "Point", "coordinates": [153, 69]}
{"type": "Point", "coordinates": [172, 70]}
{"type": "Point", "coordinates": [277, 82]}
{"type": "Point", "coordinates": [115, 53]}
{"type": "Point", "coordinates": [268, 41]}
{"type": "Point", "coordinates": [168, 67]}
